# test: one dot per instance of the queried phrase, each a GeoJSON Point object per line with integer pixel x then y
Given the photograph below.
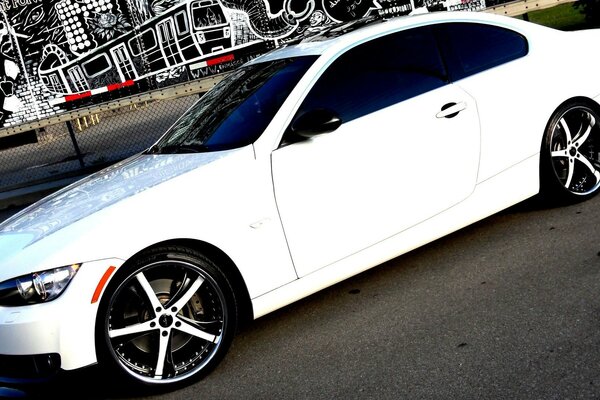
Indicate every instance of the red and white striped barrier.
{"type": "Point", "coordinates": [116, 86]}
{"type": "Point", "coordinates": [90, 93]}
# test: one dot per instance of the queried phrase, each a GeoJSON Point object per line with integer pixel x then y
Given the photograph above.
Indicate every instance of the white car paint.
{"type": "Point", "coordinates": [327, 227]}
{"type": "Point", "coordinates": [85, 221]}
{"type": "Point", "coordinates": [503, 143]}
{"type": "Point", "coordinates": [48, 328]}
{"type": "Point", "coordinates": [503, 190]}
{"type": "Point", "coordinates": [246, 202]}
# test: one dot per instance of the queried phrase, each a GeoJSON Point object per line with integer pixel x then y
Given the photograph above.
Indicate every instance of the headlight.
{"type": "Point", "coordinates": [39, 287]}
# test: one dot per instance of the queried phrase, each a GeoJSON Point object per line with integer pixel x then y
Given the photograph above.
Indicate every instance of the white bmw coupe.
{"type": "Point", "coordinates": [302, 168]}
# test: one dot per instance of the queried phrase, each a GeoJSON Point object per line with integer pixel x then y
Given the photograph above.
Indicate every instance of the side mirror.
{"type": "Point", "coordinates": [315, 122]}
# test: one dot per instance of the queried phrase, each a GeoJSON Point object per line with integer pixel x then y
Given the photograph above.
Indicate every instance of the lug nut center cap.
{"type": "Point", "coordinates": [165, 320]}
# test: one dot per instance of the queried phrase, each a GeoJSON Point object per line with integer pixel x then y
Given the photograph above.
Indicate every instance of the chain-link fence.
{"type": "Point", "coordinates": [85, 144]}
{"type": "Point", "coordinates": [75, 148]}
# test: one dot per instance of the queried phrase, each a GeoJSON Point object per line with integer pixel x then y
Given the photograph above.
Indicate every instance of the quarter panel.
{"type": "Point", "coordinates": [514, 106]}
{"type": "Point", "coordinates": [516, 100]}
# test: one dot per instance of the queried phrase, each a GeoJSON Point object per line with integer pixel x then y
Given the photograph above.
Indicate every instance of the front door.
{"type": "Point", "coordinates": [397, 160]}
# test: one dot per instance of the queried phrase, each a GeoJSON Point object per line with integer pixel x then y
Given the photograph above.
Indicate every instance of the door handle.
{"type": "Point", "coordinates": [451, 110]}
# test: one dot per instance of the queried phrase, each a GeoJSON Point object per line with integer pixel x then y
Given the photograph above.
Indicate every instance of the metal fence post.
{"type": "Point", "coordinates": [75, 145]}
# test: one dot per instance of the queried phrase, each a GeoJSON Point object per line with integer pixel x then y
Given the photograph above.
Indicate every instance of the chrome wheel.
{"type": "Point", "coordinates": [573, 151]}
{"type": "Point", "coordinates": [169, 319]}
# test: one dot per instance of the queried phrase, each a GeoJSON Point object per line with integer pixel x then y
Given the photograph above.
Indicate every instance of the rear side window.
{"type": "Point", "coordinates": [472, 48]}
{"type": "Point", "coordinates": [378, 74]}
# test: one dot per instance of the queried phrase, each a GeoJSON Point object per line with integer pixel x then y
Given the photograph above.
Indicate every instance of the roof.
{"type": "Point", "coordinates": [342, 35]}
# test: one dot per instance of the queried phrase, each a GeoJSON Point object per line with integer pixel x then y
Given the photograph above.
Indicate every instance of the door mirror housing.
{"type": "Point", "coordinates": [316, 122]}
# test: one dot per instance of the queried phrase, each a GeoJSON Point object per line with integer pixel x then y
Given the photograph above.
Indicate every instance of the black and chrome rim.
{"type": "Point", "coordinates": [575, 150]}
{"type": "Point", "coordinates": [166, 321]}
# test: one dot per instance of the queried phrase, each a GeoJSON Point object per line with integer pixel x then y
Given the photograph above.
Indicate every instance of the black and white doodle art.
{"type": "Point", "coordinates": [60, 55]}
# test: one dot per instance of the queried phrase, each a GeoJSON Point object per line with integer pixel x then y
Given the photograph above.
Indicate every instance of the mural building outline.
{"type": "Point", "coordinates": [60, 55]}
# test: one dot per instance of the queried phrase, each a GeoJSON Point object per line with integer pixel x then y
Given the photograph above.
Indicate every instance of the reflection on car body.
{"type": "Point", "coordinates": [302, 168]}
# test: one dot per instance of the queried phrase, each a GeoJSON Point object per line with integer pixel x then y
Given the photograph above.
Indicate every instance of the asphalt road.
{"type": "Point", "coordinates": [508, 308]}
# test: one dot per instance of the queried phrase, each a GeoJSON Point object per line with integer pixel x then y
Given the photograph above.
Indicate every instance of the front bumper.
{"type": "Point", "coordinates": [29, 369]}
{"type": "Point", "coordinates": [39, 340]}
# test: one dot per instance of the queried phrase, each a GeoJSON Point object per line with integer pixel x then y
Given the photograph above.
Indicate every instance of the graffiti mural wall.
{"type": "Point", "coordinates": [61, 55]}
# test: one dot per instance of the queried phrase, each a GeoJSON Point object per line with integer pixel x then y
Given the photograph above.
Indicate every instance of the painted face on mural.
{"type": "Point", "coordinates": [31, 23]}
{"type": "Point", "coordinates": [317, 18]}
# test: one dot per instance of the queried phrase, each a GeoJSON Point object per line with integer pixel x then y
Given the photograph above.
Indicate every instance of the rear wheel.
{"type": "Point", "coordinates": [571, 153]}
{"type": "Point", "coordinates": [168, 319]}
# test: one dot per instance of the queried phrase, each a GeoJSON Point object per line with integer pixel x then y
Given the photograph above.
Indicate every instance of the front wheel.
{"type": "Point", "coordinates": [168, 319]}
{"type": "Point", "coordinates": [570, 157]}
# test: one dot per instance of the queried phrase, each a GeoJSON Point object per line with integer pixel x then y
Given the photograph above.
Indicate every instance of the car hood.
{"type": "Point", "coordinates": [91, 195]}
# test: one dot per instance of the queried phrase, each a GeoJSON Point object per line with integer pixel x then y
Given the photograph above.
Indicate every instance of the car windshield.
{"type": "Point", "coordinates": [237, 110]}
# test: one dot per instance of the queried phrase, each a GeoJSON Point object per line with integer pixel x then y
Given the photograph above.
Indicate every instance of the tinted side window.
{"type": "Point", "coordinates": [378, 74]}
{"type": "Point", "coordinates": [472, 48]}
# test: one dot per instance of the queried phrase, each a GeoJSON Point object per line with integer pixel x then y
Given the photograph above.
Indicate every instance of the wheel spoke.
{"type": "Point", "coordinates": [190, 291]}
{"type": "Point", "coordinates": [590, 167]}
{"type": "Point", "coordinates": [151, 296]}
{"type": "Point", "coordinates": [570, 168]}
{"type": "Point", "coordinates": [133, 329]}
{"type": "Point", "coordinates": [580, 140]}
{"type": "Point", "coordinates": [566, 130]}
{"type": "Point", "coordinates": [163, 349]}
{"type": "Point", "coordinates": [194, 331]}
{"type": "Point", "coordinates": [560, 153]}
{"type": "Point", "coordinates": [204, 324]}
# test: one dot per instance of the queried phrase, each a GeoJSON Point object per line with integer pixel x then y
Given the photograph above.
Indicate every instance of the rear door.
{"type": "Point", "coordinates": [408, 149]}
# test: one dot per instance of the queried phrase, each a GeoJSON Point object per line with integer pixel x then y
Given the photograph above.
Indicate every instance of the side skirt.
{"type": "Point", "coordinates": [499, 192]}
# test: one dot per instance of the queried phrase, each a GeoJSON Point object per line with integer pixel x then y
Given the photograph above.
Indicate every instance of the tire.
{"type": "Point", "coordinates": [570, 154]}
{"type": "Point", "coordinates": [166, 320]}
